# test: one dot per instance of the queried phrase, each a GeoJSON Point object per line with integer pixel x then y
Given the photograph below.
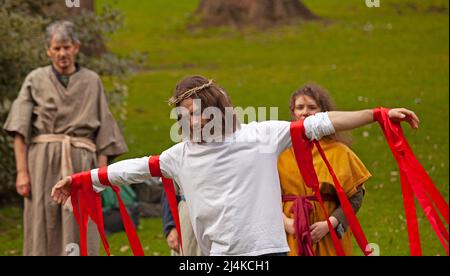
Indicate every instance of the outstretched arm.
{"type": "Point", "coordinates": [323, 124]}
{"type": "Point", "coordinates": [342, 120]}
{"type": "Point", "coordinates": [125, 172]}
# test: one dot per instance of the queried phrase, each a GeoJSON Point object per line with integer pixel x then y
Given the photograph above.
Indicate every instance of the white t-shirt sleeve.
{"type": "Point", "coordinates": [169, 161]}
{"type": "Point", "coordinates": [133, 171]}
{"type": "Point", "coordinates": [318, 126]}
{"type": "Point", "coordinates": [126, 172]}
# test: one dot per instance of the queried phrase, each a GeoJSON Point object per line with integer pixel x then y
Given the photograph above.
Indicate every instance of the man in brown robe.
{"type": "Point", "coordinates": [61, 124]}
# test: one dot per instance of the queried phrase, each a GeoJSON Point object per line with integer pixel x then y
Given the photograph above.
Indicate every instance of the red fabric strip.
{"type": "Point", "coordinates": [132, 236]}
{"type": "Point", "coordinates": [303, 154]}
{"type": "Point", "coordinates": [415, 181]}
{"type": "Point", "coordinates": [78, 210]}
{"type": "Point", "coordinates": [169, 189]}
{"type": "Point", "coordinates": [411, 218]}
{"type": "Point", "coordinates": [87, 203]}
{"type": "Point", "coordinates": [346, 206]}
{"type": "Point", "coordinates": [301, 209]}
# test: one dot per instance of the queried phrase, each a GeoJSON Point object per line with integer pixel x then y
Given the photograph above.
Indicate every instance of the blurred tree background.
{"type": "Point", "coordinates": [22, 49]}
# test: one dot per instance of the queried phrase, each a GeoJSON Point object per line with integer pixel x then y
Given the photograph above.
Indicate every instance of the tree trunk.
{"type": "Point", "coordinates": [252, 12]}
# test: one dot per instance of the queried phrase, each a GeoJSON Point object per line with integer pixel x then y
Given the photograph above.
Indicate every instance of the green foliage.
{"type": "Point", "coordinates": [22, 49]}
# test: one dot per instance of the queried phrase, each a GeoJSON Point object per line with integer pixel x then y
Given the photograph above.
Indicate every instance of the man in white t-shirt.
{"type": "Point", "coordinates": [228, 171]}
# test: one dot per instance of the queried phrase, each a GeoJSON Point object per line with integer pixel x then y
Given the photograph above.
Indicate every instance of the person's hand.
{"type": "Point", "coordinates": [23, 184]}
{"type": "Point", "coordinates": [318, 230]}
{"type": "Point", "coordinates": [403, 114]}
{"type": "Point", "coordinates": [288, 225]}
{"type": "Point", "coordinates": [61, 191]}
{"type": "Point", "coordinates": [172, 240]}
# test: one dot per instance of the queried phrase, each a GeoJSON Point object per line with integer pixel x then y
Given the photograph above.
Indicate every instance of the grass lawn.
{"type": "Point", "coordinates": [395, 55]}
{"type": "Point", "coordinates": [11, 232]}
{"type": "Point", "coordinates": [149, 231]}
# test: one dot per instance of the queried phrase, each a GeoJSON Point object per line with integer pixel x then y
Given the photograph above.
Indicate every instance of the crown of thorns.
{"type": "Point", "coordinates": [189, 93]}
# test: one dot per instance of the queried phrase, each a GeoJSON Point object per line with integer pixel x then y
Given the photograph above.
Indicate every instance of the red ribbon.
{"type": "Point", "coordinates": [132, 236]}
{"type": "Point", "coordinates": [352, 220]}
{"type": "Point", "coordinates": [87, 203]}
{"type": "Point", "coordinates": [303, 154]}
{"type": "Point", "coordinates": [301, 209]}
{"type": "Point", "coordinates": [169, 189]}
{"type": "Point", "coordinates": [415, 182]}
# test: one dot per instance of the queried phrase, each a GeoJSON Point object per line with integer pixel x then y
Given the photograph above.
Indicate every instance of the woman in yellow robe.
{"type": "Point", "coordinates": [350, 171]}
